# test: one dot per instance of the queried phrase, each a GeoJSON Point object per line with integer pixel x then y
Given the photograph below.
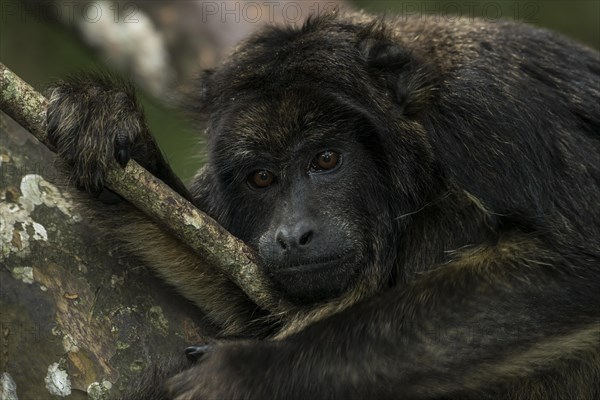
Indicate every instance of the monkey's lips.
{"type": "Point", "coordinates": [313, 264]}
{"type": "Point", "coordinates": [316, 279]}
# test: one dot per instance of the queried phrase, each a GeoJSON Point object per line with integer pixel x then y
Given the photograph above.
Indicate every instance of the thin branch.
{"type": "Point", "coordinates": [218, 247]}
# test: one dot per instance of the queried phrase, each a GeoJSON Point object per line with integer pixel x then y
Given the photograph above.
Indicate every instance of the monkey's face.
{"type": "Point", "coordinates": [303, 182]}
{"type": "Point", "coordinates": [316, 151]}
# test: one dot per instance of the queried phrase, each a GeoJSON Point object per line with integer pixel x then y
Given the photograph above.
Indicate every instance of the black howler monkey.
{"type": "Point", "coordinates": [426, 193]}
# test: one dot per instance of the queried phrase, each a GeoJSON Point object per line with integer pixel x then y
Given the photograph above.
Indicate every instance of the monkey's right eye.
{"type": "Point", "coordinates": [261, 178]}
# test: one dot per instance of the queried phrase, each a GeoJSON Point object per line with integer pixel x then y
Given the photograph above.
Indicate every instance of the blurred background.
{"type": "Point", "coordinates": [162, 44]}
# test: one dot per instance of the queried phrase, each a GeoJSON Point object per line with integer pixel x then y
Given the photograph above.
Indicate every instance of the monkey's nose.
{"type": "Point", "coordinates": [295, 236]}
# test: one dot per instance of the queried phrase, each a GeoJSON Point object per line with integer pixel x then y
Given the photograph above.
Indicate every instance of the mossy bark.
{"type": "Point", "coordinates": [75, 314]}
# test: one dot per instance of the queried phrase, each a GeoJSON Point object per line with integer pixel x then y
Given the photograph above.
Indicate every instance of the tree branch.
{"type": "Point", "coordinates": [149, 194]}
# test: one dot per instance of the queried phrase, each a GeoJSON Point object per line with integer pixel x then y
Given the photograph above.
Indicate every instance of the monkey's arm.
{"type": "Point", "coordinates": [488, 323]}
{"type": "Point", "coordinates": [94, 120]}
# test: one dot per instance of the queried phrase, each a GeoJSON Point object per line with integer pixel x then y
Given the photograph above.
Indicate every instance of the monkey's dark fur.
{"type": "Point", "coordinates": [453, 251]}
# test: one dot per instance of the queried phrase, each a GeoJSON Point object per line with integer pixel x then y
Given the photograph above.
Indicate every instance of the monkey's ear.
{"type": "Point", "coordinates": [410, 81]}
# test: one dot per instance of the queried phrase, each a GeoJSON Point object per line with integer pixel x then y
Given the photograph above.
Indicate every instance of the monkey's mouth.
{"type": "Point", "coordinates": [307, 281]}
{"type": "Point", "coordinates": [306, 265]}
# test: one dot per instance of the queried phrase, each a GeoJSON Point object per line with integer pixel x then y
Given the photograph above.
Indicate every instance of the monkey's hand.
{"type": "Point", "coordinates": [229, 371]}
{"type": "Point", "coordinates": [94, 121]}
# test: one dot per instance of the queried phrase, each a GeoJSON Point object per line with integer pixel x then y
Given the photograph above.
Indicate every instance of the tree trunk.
{"type": "Point", "coordinates": [77, 318]}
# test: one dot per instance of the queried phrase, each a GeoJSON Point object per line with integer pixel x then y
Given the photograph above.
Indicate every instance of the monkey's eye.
{"type": "Point", "coordinates": [325, 161]}
{"type": "Point", "coordinates": [261, 178]}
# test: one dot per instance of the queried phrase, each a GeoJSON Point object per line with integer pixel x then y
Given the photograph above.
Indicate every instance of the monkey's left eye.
{"type": "Point", "coordinates": [261, 178]}
{"type": "Point", "coordinates": [325, 161]}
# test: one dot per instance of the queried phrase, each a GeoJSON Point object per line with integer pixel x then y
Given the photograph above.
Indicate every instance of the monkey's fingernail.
{"type": "Point", "coordinates": [122, 145]}
{"type": "Point", "coordinates": [122, 157]}
{"type": "Point", "coordinates": [194, 353]}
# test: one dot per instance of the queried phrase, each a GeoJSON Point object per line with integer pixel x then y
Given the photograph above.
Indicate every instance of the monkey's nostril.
{"type": "Point", "coordinates": [282, 243]}
{"type": "Point", "coordinates": [306, 238]}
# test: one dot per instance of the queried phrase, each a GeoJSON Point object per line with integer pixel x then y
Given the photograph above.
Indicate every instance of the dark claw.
{"type": "Point", "coordinates": [194, 353]}
{"type": "Point", "coordinates": [122, 157]}
{"type": "Point", "coordinates": [122, 150]}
